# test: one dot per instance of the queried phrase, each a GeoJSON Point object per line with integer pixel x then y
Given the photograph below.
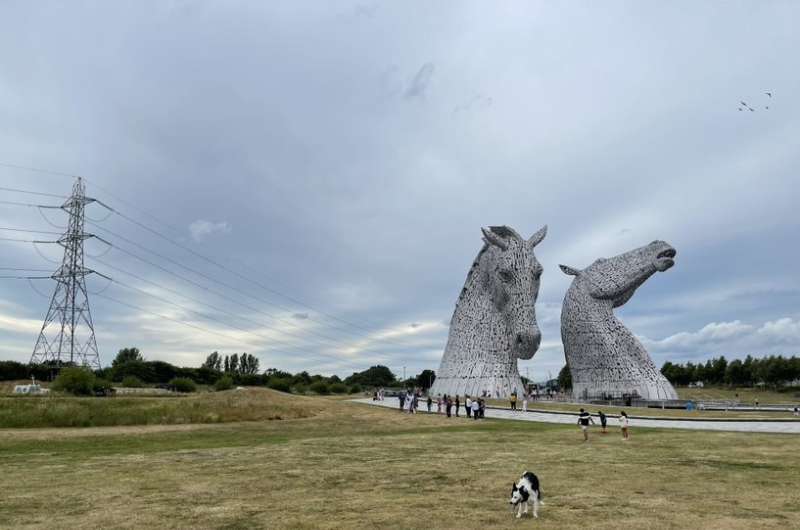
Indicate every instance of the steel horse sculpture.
{"type": "Point", "coordinates": [494, 322]}
{"type": "Point", "coordinates": [604, 357]}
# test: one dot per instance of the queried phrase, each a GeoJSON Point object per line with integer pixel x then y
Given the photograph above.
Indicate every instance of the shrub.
{"type": "Point", "coordinates": [338, 388]}
{"type": "Point", "coordinates": [76, 381]}
{"type": "Point", "coordinates": [131, 381]}
{"type": "Point", "coordinates": [356, 389]}
{"type": "Point", "coordinates": [300, 388]}
{"type": "Point", "coordinates": [279, 384]}
{"type": "Point", "coordinates": [223, 383]}
{"type": "Point", "coordinates": [102, 387]}
{"type": "Point", "coordinates": [183, 384]}
{"type": "Point", "coordinates": [320, 387]}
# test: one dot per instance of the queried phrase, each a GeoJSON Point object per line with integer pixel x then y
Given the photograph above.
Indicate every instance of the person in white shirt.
{"type": "Point", "coordinates": [476, 407]}
{"type": "Point", "coordinates": [525, 403]}
{"type": "Point", "coordinates": [623, 423]}
{"type": "Point", "coordinates": [468, 405]}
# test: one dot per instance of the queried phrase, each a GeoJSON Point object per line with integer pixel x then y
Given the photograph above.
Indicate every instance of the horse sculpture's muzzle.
{"type": "Point", "coordinates": [526, 344]}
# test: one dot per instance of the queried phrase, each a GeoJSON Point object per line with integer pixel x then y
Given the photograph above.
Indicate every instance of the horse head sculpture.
{"type": "Point", "coordinates": [494, 322]}
{"type": "Point", "coordinates": [604, 357]}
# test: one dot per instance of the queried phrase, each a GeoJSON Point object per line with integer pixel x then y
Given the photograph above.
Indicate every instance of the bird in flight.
{"type": "Point", "coordinates": [768, 93]}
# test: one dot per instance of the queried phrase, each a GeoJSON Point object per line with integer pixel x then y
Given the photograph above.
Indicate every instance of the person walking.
{"type": "Point", "coordinates": [468, 405]}
{"type": "Point", "coordinates": [584, 418]}
{"type": "Point", "coordinates": [402, 397]}
{"type": "Point", "coordinates": [448, 403]}
{"type": "Point", "coordinates": [513, 401]}
{"type": "Point", "coordinates": [458, 404]}
{"type": "Point", "coordinates": [623, 423]}
{"type": "Point", "coordinates": [603, 420]}
{"type": "Point", "coordinates": [430, 402]}
{"type": "Point", "coordinates": [524, 402]}
{"type": "Point", "coordinates": [476, 408]}
{"type": "Point", "coordinates": [482, 404]}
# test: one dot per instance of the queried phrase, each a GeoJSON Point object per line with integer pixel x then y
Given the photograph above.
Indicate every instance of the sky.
{"type": "Point", "coordinates": [326, 168]}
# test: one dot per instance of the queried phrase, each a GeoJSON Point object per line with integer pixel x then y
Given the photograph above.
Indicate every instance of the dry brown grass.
{"type": "Point", "coordinates": [355, 466]}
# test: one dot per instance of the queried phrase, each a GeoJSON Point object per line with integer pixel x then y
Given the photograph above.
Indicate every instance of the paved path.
{"type": "Point", "coordinates": [787, 427]}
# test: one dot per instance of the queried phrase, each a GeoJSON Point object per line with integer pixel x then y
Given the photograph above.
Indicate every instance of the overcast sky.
{"type": "Point", "coordinates": [346, 155]}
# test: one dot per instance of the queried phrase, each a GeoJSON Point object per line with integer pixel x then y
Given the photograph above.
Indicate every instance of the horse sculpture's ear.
{"type": "Point", "coordinates": [569, 270]}
{"type": "Point", "coordinates": [493, 239]}
{"type": "Point", "coordinates": [536, 238]}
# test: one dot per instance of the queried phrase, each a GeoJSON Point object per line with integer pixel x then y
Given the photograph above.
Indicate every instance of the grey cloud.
{"type": "Point", "coordinates": [419, 83]}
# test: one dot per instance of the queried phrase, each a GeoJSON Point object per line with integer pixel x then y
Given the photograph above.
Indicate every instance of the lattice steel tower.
{"type": "Point", "coordinates": [67, 334]}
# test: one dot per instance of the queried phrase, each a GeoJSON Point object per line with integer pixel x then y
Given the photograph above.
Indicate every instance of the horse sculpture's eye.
{"type": "Point", "coordinates": [506, 276]}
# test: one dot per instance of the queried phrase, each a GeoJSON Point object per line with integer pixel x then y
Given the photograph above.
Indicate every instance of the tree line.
{"type": "Point", "coordinates": [774, 371]}
{"type": "Point", "coordinates": [130, 368]}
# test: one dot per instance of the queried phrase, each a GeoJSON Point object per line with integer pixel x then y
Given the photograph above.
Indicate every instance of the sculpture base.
{"type": "Point", "coordinates": [648, 390]}
{"type": "Point", "coordinates": [499, 387]}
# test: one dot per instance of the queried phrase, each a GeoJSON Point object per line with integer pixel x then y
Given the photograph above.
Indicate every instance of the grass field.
{"type": "Point", "coordinates": [744, 395]}
{"type": "Point", "coordinates": [355, 466]}
{"type": "Point", "coordinates": [208, 407]}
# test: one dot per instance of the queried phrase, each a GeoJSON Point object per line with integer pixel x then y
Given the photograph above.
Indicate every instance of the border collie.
{"type": "Point", "coordinates": [526, 492]}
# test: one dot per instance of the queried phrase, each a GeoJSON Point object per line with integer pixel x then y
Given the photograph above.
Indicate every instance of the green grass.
{"type": "Point", "coordinates": [745, 395]}
{"type": "Point", "coordinates": [212, 407]}
{"type": "Point", "coordinates": [650, 412]}
{"type": "Point", "coordinates": [355, 466]}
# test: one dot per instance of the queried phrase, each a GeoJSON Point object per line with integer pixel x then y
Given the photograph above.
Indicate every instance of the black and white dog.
{"type": "Point", "coordinates": [526, 492]}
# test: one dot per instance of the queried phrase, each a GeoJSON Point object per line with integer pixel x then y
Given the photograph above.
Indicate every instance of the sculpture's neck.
{"type": "Point", "coordinates": [593, 314]}
{"type": "Point", "coordinates": [476, 324]}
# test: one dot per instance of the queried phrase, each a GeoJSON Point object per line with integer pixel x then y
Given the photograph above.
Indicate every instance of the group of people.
{"type": "Point", "coordinates": [449, 405]}
{"type": "Point", "coordinates": [584, 419]}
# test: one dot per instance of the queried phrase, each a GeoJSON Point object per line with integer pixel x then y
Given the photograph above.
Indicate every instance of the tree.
{"type": "Point", "coordinates": [233, 366]}
{"type": "Point", "coordinates": [213, 362]}
{"type": "Point", "coordinates": [374, 376]}
{"type": "Point", "coordinates": [565, 378]}
{"type": "Point", "coordinates": [425, 379]}
{"type": "Point", "coordinates": [248, 364]}
{"type": "Point", "coordinates": [126, 355]}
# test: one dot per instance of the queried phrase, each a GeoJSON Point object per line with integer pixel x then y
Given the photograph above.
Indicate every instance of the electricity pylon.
{"type": "Point", "coordinates": [67, 334]}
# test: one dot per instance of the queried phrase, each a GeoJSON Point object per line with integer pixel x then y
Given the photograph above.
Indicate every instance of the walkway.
{"type": "Point", "coordinates": [786, 427]}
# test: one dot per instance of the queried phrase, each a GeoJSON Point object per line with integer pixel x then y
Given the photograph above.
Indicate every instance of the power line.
{"type": "Point", "coordinates": [224, 267]}
{"type": "Point", "coordinates": [202, 256]}
{"type": "Point", "coordinates": [37, 170]}
{"type": "Point", "coordinates": [219, 321]}
{"type": "Point", "coordinates": [23, 269]}
{"type": "Point", "coordinates": [215, 308]}
{"type": "Point", "coordinates": [24, 240]}
{"type": "Point", "coordinates": [30, 231]}
{"type": "Point", "coordinates": [209, 278]}
{"type": "Point", "coordinates": [43, 194]}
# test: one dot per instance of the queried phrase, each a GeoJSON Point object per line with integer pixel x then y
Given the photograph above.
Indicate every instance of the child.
{"type": "Point", "coordinates": [623, 423]}
{"type": "Point", "coordinates": [583, 420]}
